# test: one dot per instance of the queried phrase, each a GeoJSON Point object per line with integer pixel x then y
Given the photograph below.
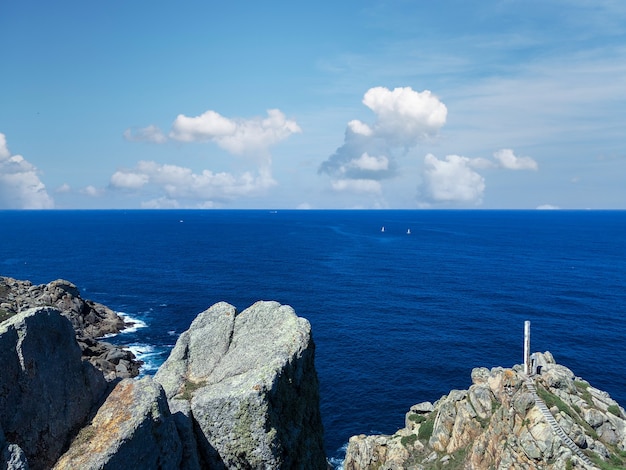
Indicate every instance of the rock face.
{"type": "Point", "coordinates": [552, 421]}
{"type": "Point", "coordinates": [90, 320]}
{"type": "Point", "coordinates": [46, 390]}
{"type": "Point", "coordinates": [132, 429]}
{"type": "Point", "coordinates": [246, 383]}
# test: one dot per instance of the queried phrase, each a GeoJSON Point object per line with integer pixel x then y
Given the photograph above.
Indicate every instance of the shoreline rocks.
{"type": "Point", "coordinates": [552, 420]}
{"type": "Point", "coordinates": [90, 320]}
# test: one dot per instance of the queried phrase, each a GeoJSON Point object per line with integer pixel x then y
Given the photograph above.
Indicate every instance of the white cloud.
{"type": "Point", "coordinates": [452, 180]}
{"type": "Point", "coordinates": [404, 117]}
{"type": "Point", "coordinates": [64, 188]}
{"type": "Point", "coordinates": [359, 127]}
{"type": "Point", "coordinates": [160, 203]}
{"type": "Point", "coordinates": [176, 183]}
{"type": "Point", "coordinates": [507, 159]}
{"type": "Point", "coordinates": [368, 163]}
{"type": "Point", "coordinates": [128, 180]}
{"type": "Point", "coordinates": [145, 134]}
{"type": "Point", "coordinates": [91, 191]}
{"type": "Point", "coordinates": [20, 186]}
{"type": "Point", "coordinates": [237, 136]}
{"type": "Point", "coordinates": [357, 186]}
{"type": "Point", "coordinates": [547, 207]}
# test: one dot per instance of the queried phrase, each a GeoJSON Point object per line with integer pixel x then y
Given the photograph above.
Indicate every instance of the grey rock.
{"type": "Point", "coordinates": [46, 390]}
{"type": "Point", "coordinates": [132, 429]}
{"type": "Point", "coordinates": [251, 383]}
{"type": "Point", "coordinates": [90, 320]}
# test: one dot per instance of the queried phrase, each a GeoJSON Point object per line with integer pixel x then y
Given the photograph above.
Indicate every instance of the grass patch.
{"type": "Point", "coordinates": [614, 463]}
{"type": "Point", "coordinates": [408, 440]}
{"type": "Point", "coordinates": [189, 388]}
{"type": "Point", "coordinates": [615, 410]}
{"type": "Point", "coordinates": [417, 418]}
{"type": "Point", "coordinates": [552, 400]}
{"type": "Point", "coordinates": [426, 428]}
{"type": "Point", "coordinates": [582, 388]}
{"type": "Point", "coordinates": [5, 314]}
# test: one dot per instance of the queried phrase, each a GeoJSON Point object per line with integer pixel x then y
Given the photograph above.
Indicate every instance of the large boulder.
{"type": "Point", "coordinates": [251, 385]}
{"type": "Point", "coordinates": [132, 429]}
{"type": "Point", "coordinates": [46, 389]}
{"type": "Point", "coordinates": [91, 321]}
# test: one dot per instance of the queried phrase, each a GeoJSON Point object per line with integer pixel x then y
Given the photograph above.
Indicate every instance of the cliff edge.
{"type": "Point", "coordinates": [551, 420]}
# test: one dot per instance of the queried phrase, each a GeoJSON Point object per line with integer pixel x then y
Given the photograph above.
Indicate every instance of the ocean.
{"type": "Point", "coordinates": [398, 318]}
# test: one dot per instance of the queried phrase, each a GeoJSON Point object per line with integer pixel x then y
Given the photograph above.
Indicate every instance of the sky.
{"type": "Point", "coordinates": [398, 104]}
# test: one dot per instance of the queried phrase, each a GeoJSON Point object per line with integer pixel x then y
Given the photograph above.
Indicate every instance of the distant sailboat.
{"type": "Point", "coordinates": [382, 229]}
{"type": "Point", "coordinates": [408, 232]}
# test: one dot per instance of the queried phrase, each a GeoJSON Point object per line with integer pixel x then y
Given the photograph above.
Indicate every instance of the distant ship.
{"type": "Point", "coordinates": [382, 229]}
{"type": "Point", "coordinates": [408, 232]}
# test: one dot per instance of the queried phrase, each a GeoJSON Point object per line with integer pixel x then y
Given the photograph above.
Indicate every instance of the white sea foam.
{"type": "Point", "coordinates": [149, 355]}
{"type": "Point", "coordinates": [337, 460]}
{"type": "Point", "coordinates": [133, 323]}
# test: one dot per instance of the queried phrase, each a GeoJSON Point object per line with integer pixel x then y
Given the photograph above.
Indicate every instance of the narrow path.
{"type": "Point", "coordinates": [530, 385]}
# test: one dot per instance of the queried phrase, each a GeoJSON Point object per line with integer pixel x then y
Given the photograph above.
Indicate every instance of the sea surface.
{"type": "Point", "coordinates": [398, 318]}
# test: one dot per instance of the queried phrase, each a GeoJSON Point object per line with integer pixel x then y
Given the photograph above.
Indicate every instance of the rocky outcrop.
{"type": "Point", "coordinates": [247, 385]}
{"type": "Point", "coordinates": [239, 391]}
{"type": "Point", "coordinates": [552, 421]}
{"type": "Point", "coordinates": [46, 390]}
{"type": "Point", "coordinates": [132, 429]}
{"type": "Point", "coordinates": [90, 320]}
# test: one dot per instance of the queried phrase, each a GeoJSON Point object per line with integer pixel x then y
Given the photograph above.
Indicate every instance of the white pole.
{"type": "Point", "coordinates": [527, 347]}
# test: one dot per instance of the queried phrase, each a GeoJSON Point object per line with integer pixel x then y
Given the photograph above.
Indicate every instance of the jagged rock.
{"type": "Point", "coordinates": [90, 320]}
{"type": "Point", "coordinates": [132, 429]}
{"type": "Point", "coordinates": [500, 423]}
{"type": "Point", "coordinates": [46, 390]}
{"type": "Point", "coordinates": [252, 387]}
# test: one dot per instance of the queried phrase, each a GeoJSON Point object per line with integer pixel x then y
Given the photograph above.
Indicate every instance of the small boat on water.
{"type": "Point", "coordinates": [382, 229]}
{"type": "Point", "coordinates": [408, 232]}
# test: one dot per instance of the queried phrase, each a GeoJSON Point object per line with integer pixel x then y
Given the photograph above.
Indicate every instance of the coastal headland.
{"type": "Point", "coordinates": [240, 390]}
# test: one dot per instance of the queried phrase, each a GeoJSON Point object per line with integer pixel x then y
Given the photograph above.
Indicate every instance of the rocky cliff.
{"type": "Point", "coordinates": [46, 390]}
{"type": "Point", "coordinates": [247, 384]}
{"type": "Point", "coordinates": [505, 420]}
{"type": "Point", "coordinates": [90, 320]}
{"type": "Point", "coordinates": [238, 391]}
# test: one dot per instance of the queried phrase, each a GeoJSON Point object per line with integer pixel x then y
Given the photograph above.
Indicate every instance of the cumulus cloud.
{"type": "Point", "coordinates": [91, 191]}
{"type": "Point", "coordinates": [452, 180]}
{"type": "Point", "coordinates": [20, 186]}
{"type": "Point", "coordinates": [64, 188]}
{"type": "Point", "coordinates": [357, 186]}
{"type": "Point", "coordinates": [175, 183]}
{"type": "Point", "coordinates": [507, 159]}
{"type": "Point", "coordinates": [404, 117]}
{"type": "Point", "coordinates": [237, 136]}
{"type": "Point", "coordinates": [145, 134]}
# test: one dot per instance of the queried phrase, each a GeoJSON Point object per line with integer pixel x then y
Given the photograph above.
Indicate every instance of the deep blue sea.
{"type": "Point", "coordinates": [397, 318]}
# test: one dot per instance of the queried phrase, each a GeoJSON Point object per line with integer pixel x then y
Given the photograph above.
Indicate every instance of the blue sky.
{"type": "Point", "coordinates": [516, 104]}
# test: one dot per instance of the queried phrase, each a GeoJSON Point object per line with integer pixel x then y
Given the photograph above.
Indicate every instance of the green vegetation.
{"type": "Point", "coordinates": [614, 463]}
{"type": "Point", "coordinates": [582, 388]}
{"type": "Point", "coordinates": [426, 428]}
{"type": "Point", "coordinates": [189, 388]}
{"type": "Point", "coordinates": [615, 410]}
{"type": "Point", "coordinates": [552, 400]}
{"type": "Point", "coordinates": [5, 314]}
{"type": "Point", "coordinates": [417, 418]}
{"type": "Point", "coordinates": [408, 440]}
